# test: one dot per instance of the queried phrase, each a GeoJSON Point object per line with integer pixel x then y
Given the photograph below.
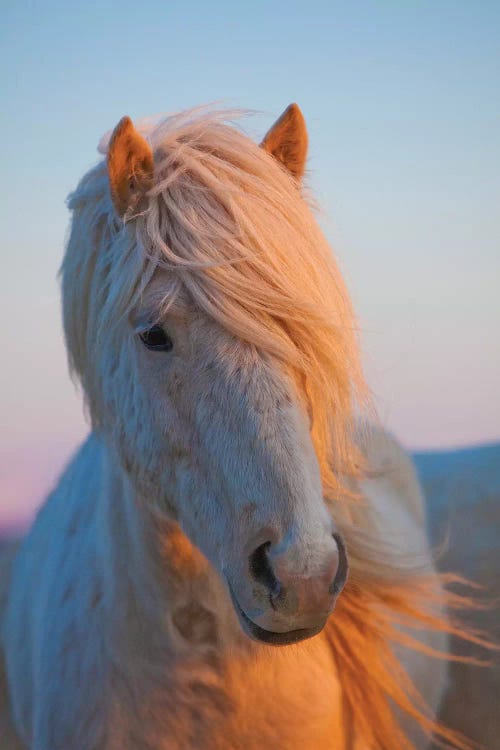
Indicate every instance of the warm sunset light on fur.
{"type": "Point", "coordinates": [236, 493]}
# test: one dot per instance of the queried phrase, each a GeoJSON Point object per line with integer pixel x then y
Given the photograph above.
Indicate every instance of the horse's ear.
{"type": "Point", "coordinates": [287, 140]}
{"type": "Point", "coordinates": [130, 166]}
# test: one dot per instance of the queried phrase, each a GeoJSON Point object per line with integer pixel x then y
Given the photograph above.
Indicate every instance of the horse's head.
{"type": "Point", "coordinates": [210, 357]}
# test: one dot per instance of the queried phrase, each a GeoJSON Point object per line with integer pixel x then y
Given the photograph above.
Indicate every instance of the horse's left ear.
{"type": "Point", "coordinates": [287, 140]}
{"type": "Point", "coordinates": [130, 166]}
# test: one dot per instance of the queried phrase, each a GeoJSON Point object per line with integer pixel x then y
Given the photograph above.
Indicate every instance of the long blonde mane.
{"type": "Point", "coordinates": [237, 233]}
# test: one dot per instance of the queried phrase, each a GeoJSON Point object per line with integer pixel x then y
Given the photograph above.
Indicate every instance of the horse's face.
{"type": "Point", "coordinates": [222, 440]}
{"type": "Point", "coordinates": [218, 434]}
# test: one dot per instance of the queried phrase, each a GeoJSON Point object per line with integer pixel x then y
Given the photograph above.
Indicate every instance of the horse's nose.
{"type": "Point", "coordinates": [298, 588]}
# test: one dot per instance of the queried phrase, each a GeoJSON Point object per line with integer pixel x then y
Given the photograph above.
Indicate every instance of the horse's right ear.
{"type": "Point", "coordinates": [287, 141]}
{"type": "Point", "coordinates": [130, 166]}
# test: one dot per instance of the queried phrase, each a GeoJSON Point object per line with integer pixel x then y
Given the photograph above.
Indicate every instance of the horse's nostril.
{"type": "Point", "coordinates": [262, 572]}
{"type": "Point", "coordinates": [293, 591]}
{"type": "Point", "coordinates": [342, 569]}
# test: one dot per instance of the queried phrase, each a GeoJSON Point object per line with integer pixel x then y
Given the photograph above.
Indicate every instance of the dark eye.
{"type": "Point", "coordinates": [156, 339]}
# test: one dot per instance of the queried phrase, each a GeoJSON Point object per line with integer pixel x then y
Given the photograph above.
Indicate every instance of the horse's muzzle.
{"type": "Point", "coordinates": [298, 605]}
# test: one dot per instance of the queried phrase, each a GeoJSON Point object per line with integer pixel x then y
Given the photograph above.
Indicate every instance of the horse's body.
{"type": "Point", "coordinates": [183, 674]}
{"type": "Point", "coordinates": [211, 501]}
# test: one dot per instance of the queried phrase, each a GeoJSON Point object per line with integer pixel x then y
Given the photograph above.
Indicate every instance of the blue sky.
{"type": "Point", "coordinates": [403, 108]}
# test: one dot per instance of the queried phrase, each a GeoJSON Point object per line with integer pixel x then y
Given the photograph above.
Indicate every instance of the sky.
{"type": "Point", "coordinates": [402, 103]}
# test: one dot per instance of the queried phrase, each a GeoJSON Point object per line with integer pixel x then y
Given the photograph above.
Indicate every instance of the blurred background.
{"type": "Point", "coordinates": [402, 102]}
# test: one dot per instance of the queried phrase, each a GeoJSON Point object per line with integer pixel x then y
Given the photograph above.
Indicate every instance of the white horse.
{"type": "Point", "coordinates": [210, 514]}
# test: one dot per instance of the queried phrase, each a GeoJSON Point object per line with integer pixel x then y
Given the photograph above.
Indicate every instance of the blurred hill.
{"type": "Point", "coordinates": [458, 485]}
{"type": "Point", "coordinates": [463, 499]}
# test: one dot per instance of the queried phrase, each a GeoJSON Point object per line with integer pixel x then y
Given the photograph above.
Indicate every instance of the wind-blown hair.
{"type": "Point", "coordinates": [237, 234]}
{"type": "Point", "coordinates": [235, 231]}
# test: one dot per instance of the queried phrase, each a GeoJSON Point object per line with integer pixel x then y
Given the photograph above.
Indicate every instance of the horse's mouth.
{"type": "Point", "coordinates": [269, 636]}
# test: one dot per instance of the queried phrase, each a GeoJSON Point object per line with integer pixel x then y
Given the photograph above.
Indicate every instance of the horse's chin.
{"type": "Point", "coordinates": [268, 636]}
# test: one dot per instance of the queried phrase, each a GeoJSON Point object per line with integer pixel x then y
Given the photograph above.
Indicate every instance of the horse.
{"type": "Point", "coordinates": [236, 557]}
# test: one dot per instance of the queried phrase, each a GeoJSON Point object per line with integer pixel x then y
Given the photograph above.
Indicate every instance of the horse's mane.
{"type": "Point", "coordinates": [236, 232]}
{"type": "Point", "coordinates": [239, 236]}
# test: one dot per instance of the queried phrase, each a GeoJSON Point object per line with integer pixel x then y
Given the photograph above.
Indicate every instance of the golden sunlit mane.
{"type": "Point", "coordinates": [235, 229]}
{"type": "Point", "coordinates": [238, 234]}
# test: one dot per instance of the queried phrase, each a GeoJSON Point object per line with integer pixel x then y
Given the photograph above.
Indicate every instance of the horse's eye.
{"type": "Point", "coordinates": [156, 339]}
